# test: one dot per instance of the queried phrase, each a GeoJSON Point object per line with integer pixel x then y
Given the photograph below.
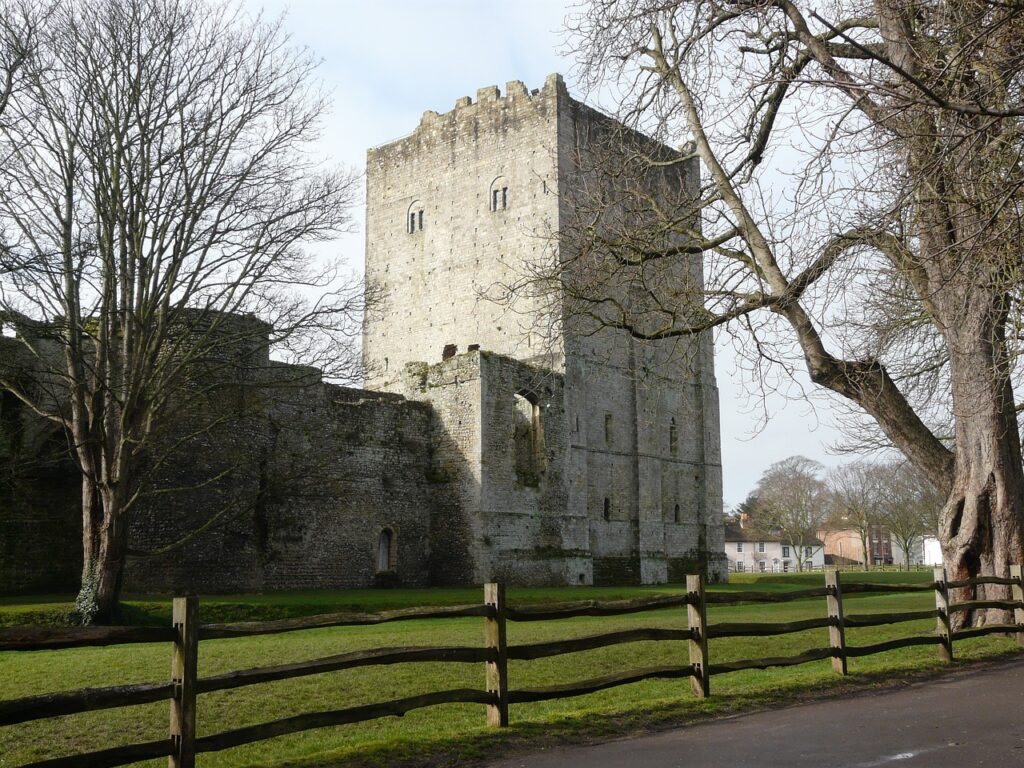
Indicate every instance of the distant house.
{"type": "Point", "coordinates": [917, 554]}
{"type": "Point", "coordinates": [845, 543]}
{"type": "Point", "coordinates": [749, 550]}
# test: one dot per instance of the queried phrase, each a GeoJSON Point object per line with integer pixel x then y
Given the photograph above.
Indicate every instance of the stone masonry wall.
{"type": "Point", "coordinates": [646, 456]}
{"type": "Point", "coordinates": [501, 456]}
{"type": "Point", "coordinates": [531, 536]}
{"type": "Point", "coordinates": [40, 517]}
{"type": "Point", "coordinates": [452, 392]}
{"type": "Point", "coordinates": [298, 482]}
{"type": "Point", "coordinates": [434, 279]}
{"type": "Point", "coordinates": [315, 476]}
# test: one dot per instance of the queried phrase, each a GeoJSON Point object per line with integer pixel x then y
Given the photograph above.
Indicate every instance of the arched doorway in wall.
{"type": "Point", "coordinates": [387, 551]}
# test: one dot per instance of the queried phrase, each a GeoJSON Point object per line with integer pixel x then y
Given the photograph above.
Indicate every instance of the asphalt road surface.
{"type": "Point", "coordinates": [963, 720]}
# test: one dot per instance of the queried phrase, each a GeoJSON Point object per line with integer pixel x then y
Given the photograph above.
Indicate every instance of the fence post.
{"type": "Point", "coordinates": [184, 662]}
{"type": "Point", "coordinates": [697, 613]}
{"type": "Point", "coordinates": [942, 620]}
{"type": "Point", "coordinates": [837, 629]}
{"type": "Point", "coordinates": [497, 670]}
{"type": "Point", "coordinates": [1018, 595]}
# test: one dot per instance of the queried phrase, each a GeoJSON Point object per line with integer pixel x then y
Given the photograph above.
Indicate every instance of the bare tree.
{"type": "Point", "coordinates": [793, 504]}
{"type": "Point", "coordinates": [909, 506]}
{"type": "Point", "coordinates": [855, 495]}
{"type": "Point", "coordinates": [862, 198]}
{"type": "Point", "coordinates": [19, 22]}
{"type": "Point", "coordinates": [157, 195]}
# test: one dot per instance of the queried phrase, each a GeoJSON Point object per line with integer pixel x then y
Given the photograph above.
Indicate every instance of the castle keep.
{"type": "Point", "coordinates": [494, 440]}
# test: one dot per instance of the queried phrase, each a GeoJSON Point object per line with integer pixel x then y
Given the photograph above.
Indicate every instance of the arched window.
{"type": "Point", "coordinates": [414, 217]}
{"type": "Point", "coordinates": [673, 438]}
{"type": "Point", "coordinates": [387, 550]}
{"type": "Point", "coordinates": [675, 514]}
{"type": "Point", "coordinates": [498, 195]}
{"type": "Point", "coordinates": [608, 437]}
{"type": "Point", "coordinates": [607, 508]}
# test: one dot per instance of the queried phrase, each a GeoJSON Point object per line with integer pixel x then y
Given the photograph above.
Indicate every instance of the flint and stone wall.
{"type": "Point", "coordinates": [298, 482]}
{"type": "Point", "coordinates": [314, 477]}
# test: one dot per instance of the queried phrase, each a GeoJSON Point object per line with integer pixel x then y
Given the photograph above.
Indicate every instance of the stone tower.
{"type": "Point", "coordinates": [571, 456]}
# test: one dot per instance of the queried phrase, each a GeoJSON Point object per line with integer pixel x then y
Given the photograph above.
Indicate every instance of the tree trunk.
{"type": "Point", "coordinates": [92, 519]}
{"type": "Point", "coordinates": [109, 574]}
{"type": "Point", "coordinates": [980, 526]}
{"type": "Point", "coordinates": [105, 541]}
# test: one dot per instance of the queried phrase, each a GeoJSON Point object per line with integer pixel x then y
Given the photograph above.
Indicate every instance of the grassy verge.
{"type": "Point", "coordinates": [58, 610]}
{"type": "Point", "coordinates": [455, 734]}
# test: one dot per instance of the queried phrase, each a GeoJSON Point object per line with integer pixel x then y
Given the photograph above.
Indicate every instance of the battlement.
{"type": "Point", "coordinates": [515, 91]}
{"type": "Point", "coordinates": [490, 105]}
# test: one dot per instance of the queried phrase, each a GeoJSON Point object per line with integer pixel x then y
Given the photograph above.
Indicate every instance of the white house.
{"type": "Point", "coordinates": [747, 550]}
{"type": "Point", "coordinates": [932, 551]}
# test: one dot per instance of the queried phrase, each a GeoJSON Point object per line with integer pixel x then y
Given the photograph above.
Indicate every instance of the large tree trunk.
{"type": "Point", "coordinates": [981, 524]}
{"type": "Point", "coordinates": [110, 567]}
{"type": "Point", "coordinates": [105, 542]}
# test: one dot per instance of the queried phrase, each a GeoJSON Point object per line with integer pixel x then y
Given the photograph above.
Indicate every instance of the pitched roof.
{"type": "Point", "coordinates": [736, 532]}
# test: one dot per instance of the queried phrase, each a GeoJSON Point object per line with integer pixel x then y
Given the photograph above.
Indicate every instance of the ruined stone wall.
{"type": "Point", "coordinates": [40, 517]}
{"type": "Point", "coordinates": [287, 482]}
{"type": "Point", "coordinates": [313, 478]}
{"type": "Point", "coordinates": [531, 536]}
{"type": "Point", "coordinates": [501, 444]}
{"type": "Point", "coordinates": [452, 392]}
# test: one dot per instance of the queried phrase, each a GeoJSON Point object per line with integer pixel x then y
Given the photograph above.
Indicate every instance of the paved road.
{"type": "Point", "coordinates": [955, 722]}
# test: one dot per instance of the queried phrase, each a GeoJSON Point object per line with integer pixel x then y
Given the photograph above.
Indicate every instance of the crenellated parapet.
{"type": "Point", "coordinates": [491, 110]}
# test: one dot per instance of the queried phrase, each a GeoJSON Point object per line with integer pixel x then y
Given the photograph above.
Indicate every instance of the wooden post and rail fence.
{"type": "Point", "coordinates": [186, 634]}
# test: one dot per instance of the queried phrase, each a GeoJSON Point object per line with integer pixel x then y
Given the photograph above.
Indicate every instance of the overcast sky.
{"type": "Point", "coordinates": [386, 62]}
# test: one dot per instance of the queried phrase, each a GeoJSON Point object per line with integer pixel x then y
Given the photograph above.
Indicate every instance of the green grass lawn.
{"type": "Point", "coordinates": [453, 733]}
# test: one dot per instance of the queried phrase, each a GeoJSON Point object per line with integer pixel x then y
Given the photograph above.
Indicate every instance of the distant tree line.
{"type": "Point", "coordinates": [796, 499]}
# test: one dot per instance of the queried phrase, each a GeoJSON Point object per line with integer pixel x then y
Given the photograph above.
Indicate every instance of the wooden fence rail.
{"type": "Point", "coordinates": [50, 638]}
{"type": "Point", "coordinates": [186, 633]}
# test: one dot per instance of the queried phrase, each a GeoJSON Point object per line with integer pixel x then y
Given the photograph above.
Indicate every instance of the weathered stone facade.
{"type": "Point", "coordinates": [630, 487]}
{"type": "Point", "coordinates": [483, 447]}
